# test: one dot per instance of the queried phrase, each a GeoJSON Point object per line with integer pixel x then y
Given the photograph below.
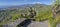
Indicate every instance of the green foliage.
{"type": "Point", "coordinates": [44, 13]}
{"type": "Point", "coordinates": [52, 22]}
{"type": "Point", "coordinates": [15, 16]}
{"type": "Point", "coordinates": [10, 15]}
{"type": "Point", "coordinates": [1, 25]}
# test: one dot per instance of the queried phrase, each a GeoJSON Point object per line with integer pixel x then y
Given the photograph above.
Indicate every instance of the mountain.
{"type": "Point", "coordinates": [21, 6]}
{"type": "Point", "coordinates": [12, 13]}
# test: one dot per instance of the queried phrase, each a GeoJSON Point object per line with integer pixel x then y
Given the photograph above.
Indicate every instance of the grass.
{"type": "Point", "coordinates": [52, 22]}
{"type": "Point", "coordinates": [13, 17]}
{"type": "Point", "coordinates": [48, 15]}
{"type": "Point", "coordinates": [44, 13]}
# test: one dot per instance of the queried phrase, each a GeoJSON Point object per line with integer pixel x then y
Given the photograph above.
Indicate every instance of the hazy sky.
{"type": "Point", "coordinates": [21, 2]}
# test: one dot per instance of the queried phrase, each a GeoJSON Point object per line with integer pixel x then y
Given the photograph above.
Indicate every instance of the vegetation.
{"type": "Point", "coordinates": [44, 12]}
{"type": "Point", "coordinates": [14, 14]}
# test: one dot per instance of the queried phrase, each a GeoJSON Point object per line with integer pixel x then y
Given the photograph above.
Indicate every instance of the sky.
{"type": "Point", "coordinates": [21, 2]}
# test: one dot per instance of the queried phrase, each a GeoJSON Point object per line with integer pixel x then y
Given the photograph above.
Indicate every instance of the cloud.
{"type": "Point", "coordinates": [36, 3]}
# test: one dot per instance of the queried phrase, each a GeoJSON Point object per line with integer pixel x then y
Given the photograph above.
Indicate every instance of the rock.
{"type": "Point", "coordinates": [58, 25]}
{"type": "Point", "coordinates": [38, 24]}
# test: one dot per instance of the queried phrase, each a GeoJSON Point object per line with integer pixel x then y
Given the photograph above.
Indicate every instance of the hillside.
{"type": "Point", "coordinates": [14, 12]}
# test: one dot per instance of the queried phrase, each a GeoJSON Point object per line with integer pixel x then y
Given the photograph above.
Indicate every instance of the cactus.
{"type": "Point", "coordinates": [32, 12]}
{"type": "Point", "coordinates": [55, 8]}
{"type": "Point", "coordinates": [55, 11]}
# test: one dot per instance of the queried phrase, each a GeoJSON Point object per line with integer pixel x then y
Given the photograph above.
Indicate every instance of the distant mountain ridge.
{"type": "Point", "coordinates": [22, 6]}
